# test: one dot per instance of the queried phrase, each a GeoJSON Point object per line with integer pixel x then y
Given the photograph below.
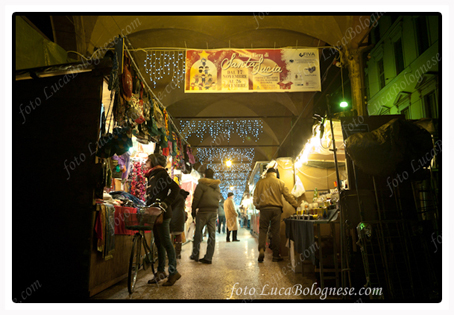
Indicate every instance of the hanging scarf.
{"type": "Point", "coordinates": [166, 119]}
{"type": "Point", "coordinates": [190, 155]}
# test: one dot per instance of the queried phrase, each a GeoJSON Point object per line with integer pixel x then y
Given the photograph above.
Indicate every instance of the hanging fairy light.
{"type": "Point", "coordinates": [207, 155]}
{"type": "Point", "coordinates": [154, 69]}
{"type": "Point", "coordinates": [247, 129]}
{"type": "Point", "coordinates": [237, 187]}
{"type": "Point", "coordinates": [169, 63]}
{"type": "Point", "coordinates": [227, 175]}
{"type": "Point", "coordinates": [236, 175]}
{"type": "Point", "coordinates": [235, 168]}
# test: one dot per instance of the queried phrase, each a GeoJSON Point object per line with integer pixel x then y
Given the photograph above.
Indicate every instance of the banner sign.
{"type": "Point", "coordinates": [252, 70]}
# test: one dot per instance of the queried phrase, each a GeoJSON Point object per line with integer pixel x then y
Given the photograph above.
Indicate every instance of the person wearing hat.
{"type": "Point", "coordinates": [232, 218]}
{"type": "Point", "coordinates": [206, 198]}
{"type": "Point", "coordinates": [268, 200]}
{"type": "Point", "coordinates": [161, 187]}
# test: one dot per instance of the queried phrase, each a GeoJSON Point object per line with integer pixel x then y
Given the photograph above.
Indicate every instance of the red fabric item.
{"type": "Point", "coordinates": [120, 220]}
{"type": "Point", "coordinates": [126, 79]}
{"type": "Point", "coordinates": [98, 226]}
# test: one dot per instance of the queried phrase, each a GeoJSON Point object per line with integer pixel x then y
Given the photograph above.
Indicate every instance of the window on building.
{"type": "Point", "coordinates": [394, 18]}
{"type": "Point", "coordinates": [422, 34]}
{"type": "Point", "coordinates": [430, 106]}
{"type": "Point", "coordinates": [376, 33]}
{"type": "Point", "coordinates": [366, 83]}
{"type": "Point", "coordinates": [399, 56]}
{"type": "Point", "coordinates": [381, 73]}
{"type": "Point", "coordinates": [406, 112]}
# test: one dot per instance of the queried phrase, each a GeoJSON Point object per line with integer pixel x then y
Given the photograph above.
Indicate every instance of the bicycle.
{"type": "Point", "coordinates": [141, 221]}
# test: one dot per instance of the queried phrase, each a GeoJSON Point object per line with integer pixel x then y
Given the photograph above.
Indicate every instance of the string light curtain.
{"type": "Point", "coordinates": [247, 129]}
{"type": "Point", "coordinates": [238, 189]}
{"type": "Point", "coordinates": [230, 177]}
{"type": "Point", "coordinates": [159, 64]}
{"type": "Point", "coordinates": [210, 155]}
{"type": "Point", "coordinates": [234, 183]}
{"type": "Point", "coordinates": [235, 168]}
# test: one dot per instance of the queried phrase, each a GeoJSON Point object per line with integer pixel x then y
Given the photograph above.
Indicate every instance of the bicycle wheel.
{"type": "Point", "coordinates": [134, 262]}
{"type": "Point", "coordinates": [150, 253]}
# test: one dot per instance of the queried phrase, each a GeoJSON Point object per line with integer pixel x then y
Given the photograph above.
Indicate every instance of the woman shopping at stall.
{"type": "Point", "coordinates": [161, 187]}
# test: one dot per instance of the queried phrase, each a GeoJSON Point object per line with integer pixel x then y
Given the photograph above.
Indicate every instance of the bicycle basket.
{"type": "Point", "coordinates": [144, 219]}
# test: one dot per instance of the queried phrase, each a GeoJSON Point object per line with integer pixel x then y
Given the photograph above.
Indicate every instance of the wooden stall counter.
{"type": "Point", "coordinates": [307, 245]}
{"type": "Point", "coordinates": [110, 247]}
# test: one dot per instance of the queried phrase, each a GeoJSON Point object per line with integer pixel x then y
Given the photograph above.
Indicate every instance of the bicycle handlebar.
{"type": "Point", "coordinates": [157, 204]}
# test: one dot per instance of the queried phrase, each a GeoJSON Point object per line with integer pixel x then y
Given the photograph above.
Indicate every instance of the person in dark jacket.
{"type": "Point", "coordinates": [161, 187]}
{"type": "Point", "coordinates": [206, 198]}
{"type": "Point", "coordinates": [221, 215]}
{"type": "Point", "coordinates": [178, 219]}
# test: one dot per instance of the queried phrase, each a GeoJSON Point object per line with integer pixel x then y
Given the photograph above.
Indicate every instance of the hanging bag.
{"type": "Point", "coordinates": [298, 190]}
{"type": "Point", "coordinates": [190, 232]}
{"type": "Point", "coordinates": [121, 141]}
{"type": "Point", "coordinates": [135, 111]}
{"type": "Point", "coordinates": [158, 115]}
{"type": "Point", "coordinates": [126, 79]}
{"type": "Point", "coordinates": [105, 143]}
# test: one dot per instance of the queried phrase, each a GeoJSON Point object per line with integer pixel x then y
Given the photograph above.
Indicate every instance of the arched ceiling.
{"type": "Point", "coordinates": [259, 30]}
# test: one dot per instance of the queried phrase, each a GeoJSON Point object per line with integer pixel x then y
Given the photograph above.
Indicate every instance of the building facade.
{"type": "Point", "coordinates": [402, 70]}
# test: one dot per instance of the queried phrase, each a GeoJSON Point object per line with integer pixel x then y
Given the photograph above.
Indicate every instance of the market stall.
{"type": "Point", "coordinates": [111, 247]}
{"type": "Point", "coordinates": [313, 233]}
{"type": "Point", "coordinates": [59, 174]}
{"type": "Point", "coordinates": [140, 127]}
{"type": "Point", "coordinates": [92, 134]}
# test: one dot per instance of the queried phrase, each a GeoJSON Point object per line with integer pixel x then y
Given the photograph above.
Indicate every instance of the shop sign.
{"type": "Point", "coordinates": [252, 70]}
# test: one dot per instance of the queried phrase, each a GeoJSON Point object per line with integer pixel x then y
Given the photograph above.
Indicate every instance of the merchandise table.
{"type": "Point", "coordinates": [301, 232]}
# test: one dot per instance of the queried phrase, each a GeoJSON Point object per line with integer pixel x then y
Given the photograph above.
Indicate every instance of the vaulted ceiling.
{"type": "Point", "coordinates": [277, 111]}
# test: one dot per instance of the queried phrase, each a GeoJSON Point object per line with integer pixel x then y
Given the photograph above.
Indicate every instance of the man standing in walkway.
{"type": "Point", "coordinates": [221, 216]}
{"type": "Point", "coordinates": [232, 218]}
{"type": "Point", "coordinates": [206, 198]}
{"type": "Point", "coordinates": [268, 200]}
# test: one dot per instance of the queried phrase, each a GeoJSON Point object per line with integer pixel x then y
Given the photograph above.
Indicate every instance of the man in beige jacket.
{"type": "Point", "coordinates": [268, 200]}
{"type": "Point", "coordinates": [231, 217]}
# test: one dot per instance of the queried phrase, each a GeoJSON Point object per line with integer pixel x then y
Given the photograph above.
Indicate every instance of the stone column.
{"type": "Point", "coordinates": [353, 61]}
